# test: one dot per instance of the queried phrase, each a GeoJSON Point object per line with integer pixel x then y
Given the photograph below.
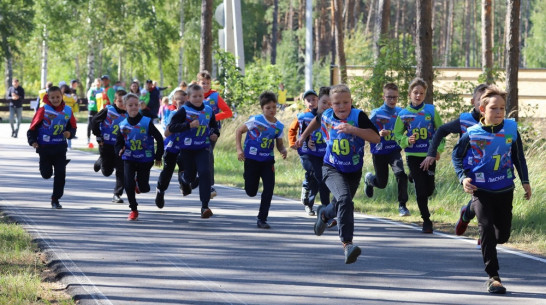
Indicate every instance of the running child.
{"type": "Point", "coordinates": [135, 145]}
{"type": "Point", "coordinates": [346, 128]}
{"type": "Point", "coordinates": [198, 128]}
{"type": "Point", "coordinates": [264, 131]}
{"type": "Point", "coordinates": [413, 130]}
{"type": "Point", "coordinates": [221, 112]}
{"type": "Point", "coordinates": [172, 150]}
{"type": "Point", "coordinates": [105, 126]}
{"type": "Point", "coordinates": [310, 185]}
{"type": "Point", "coordinates": [92, 107]}
{"type": "Point", "coordinates": [51, 126]}
{"type": "Point", "coordinates": [484, 160]}
{"type": "Point", "coordinates": [387, 152]}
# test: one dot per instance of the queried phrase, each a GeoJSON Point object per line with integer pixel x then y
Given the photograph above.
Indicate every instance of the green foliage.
{"type": "Point", "coordinates": [536, 43]}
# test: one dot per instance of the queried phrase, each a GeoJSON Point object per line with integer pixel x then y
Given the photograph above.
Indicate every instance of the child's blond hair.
{"type": "Point", "coordinates": [417, 82]}
{"type": "Point", "coordinates": [491, 91]}
{"type": "Point", "coordinates": [339, 89]}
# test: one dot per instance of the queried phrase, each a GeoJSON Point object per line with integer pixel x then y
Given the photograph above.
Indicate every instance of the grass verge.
{"type": "Point", "coordinates": [24, 279]}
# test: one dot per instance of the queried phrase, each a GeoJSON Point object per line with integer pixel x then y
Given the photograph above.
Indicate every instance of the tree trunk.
{"type": "Point", "coordinates": [120, 65]}
{"type": "Point", "coordinates": [205, 58]}
{"type": "Point", "coordinates": [524, 31]}
{"type": "Point", "coordinates": [99, 58]}
{"type": "Point", "coordinates": [487, 41]}
{"type": "Point", "coordinates": [339, 41]}
{"type": "Point", "coordinates": [381, 28]}
{"type": "Point", "coordinates": [291, 16]}
{"type": "Point", "coordinates": [449, 33]}
{"type": "Point", "coordinates": [371, 6]}
{"type": "Point", "coordinates": [43, 74]}
{"type": "Point", "coordinates": [90, 64]}
{"type": "Point", "coordinates": [274, 32]}
{"type": "Point", "coordinates": [424, 45]}
{"type": "Point", "coordinates": [397, 20]}
{"type": "Point", "coordinates": [512, 60]}
{"type": "Point", "coordinates": [473, 34]}
{"type": "Point", "coordinates": [333, 33]}
{"type": "Point", "coordinates": [466, 36]}
{"type": "Point", "coordinates": [181, 47]}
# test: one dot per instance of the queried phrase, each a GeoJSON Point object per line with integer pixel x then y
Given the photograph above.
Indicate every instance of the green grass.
{"type": "Point", "coordinates": [21, 270]}
{"type": "Point", "coordinates": [529, 217]}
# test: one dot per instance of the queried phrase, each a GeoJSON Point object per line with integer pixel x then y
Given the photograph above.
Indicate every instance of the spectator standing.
{"type": "Point", "coordinates": [16, 95]}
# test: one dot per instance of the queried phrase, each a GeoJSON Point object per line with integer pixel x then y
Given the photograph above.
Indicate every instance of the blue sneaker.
{"type": "Point", "coordinates": [369, 186]}
{"type": "Point", "coordinates": [320, 224]}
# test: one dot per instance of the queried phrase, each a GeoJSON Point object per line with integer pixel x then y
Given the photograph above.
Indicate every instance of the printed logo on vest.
{"type": "Point", "coordinates": [253, 151]}
{"type": "Point", "coordinates": [187, 141]}
{"type": "Point", "coordinates": [480, 177]}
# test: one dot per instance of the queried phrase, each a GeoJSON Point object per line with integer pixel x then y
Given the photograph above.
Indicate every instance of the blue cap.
{"type": "Point", "coordinates": [105, 77]}
{"type": "Point", "coordinates": [309, 92]}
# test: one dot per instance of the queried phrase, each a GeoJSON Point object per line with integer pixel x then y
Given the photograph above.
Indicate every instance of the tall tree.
{"type": "Point", "coordinates": [466, 34]}
{"type": "Point", "coordinates": [371, 8]}
{"type": "Point", "coordinates": [423, 49]}
{"type": "Point", "coordinates": [449, 33]}
{"type": "Point", "coordinates": [340, 48]}
{"type": "Point", "coordinates": [381, 29]}
{"type": "Point", "coordinates": [181, 46]}
{"type": "Point", "coordinates": [512, 60]}
{"type": "Point", "coordinates": [205, 58]}
{"type": "Point", "coordinates": [274, 32]}
{"type": "Point", "coordinates": [487, 41]}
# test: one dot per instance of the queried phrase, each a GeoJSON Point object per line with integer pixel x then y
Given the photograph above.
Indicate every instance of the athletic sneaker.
{"type": "Point", "coordinates": [461, 225]}
{"type": "Point", "coordinates": [369, 186]}
{"type": "Point", "coordinates": [305, 196]}
{"type": "Point", "coordinates": [195, 183]}
{"type": "Point", "coordinates": [55, 204]}
{"type": "Point", "coordinates": [403, 211]}
{"type": "Point", "coordinates": [133, 216]}
{"type": "Point", "coordinates": [213, 192]}
{"type": "Point", "coordinates": [117, 199]}
{"type": "Point", "coordinates": [479, 245]}
{"type": "Point", "coordinates": [309, 210]}
{"type": "Point", "coordinates": [494, 285]}
{"type": "Point", "coordinates": [185, 189]}
{"type": "Point", "coordinates": [332, 223]}
{"type": "Point", "coordinates": [410, 178]}
{"type": "Point", "coordinates": [159, 198]}
{"type": "Point", "coordinates": [96, 166]}
{"type": "Point", "coordinates": [206, 213]}
{"type": "Point", "coordinates": [262, 224]}
{"type": "Point", "coordinates": [427, 227]}
{"type": "Point", "coordinates": [320, 224]}
{"type": "Point", "coordinates": [351, 252]}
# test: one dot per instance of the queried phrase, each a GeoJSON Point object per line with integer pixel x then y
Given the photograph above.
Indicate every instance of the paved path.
{"type": "Point", "coordinates": [172, 256]}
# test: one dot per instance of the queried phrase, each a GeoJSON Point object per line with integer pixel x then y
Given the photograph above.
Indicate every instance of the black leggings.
{"type": "Point", "coordinates": [424, 183]}
{"type": "Point", "coordinates": [254, 170]}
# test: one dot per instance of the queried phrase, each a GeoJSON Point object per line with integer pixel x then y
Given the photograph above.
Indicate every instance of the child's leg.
{"type": "Point", "coordinates": [431, 174]}
{"type": "Point", "coordinates": [46, 165]}
{"type": "Point", "coordinates": [129, 169]}
{"type": "Point", "coordinates": [59, 164]}
{"type": "Point", "coordinates": [267, 173]}
{"type": "Point", "coordinates": [397, 166]}
{"type": "Point", "coordinates": [108, 156]}
{"type": "Point", "coordinates": [251, 176]}
{"type": "Point", "coordinates": [143, 176]}
{"type": "Point", "coordinates": [190, 170]}
{"type": "Point", "coordinates": [118, 189]}
{"type": "Point", "coordinates": [202, 161]}
{"type": "Point", "coordinates": [483, 206]}
{"type": "Point", "coordinates": [317, 171]}
{"type": "Point", "coordinates": [420, 179]}
{"type": "Point", "coordinates": [169, 163]}
{"type": "Point", "coordinates": [381, 167]}
{"type": "Point", "coordinates": [343, 186]}
{"type": "Point", "coordinates": [311, 183]}
{"type": "Point", "coordinates": [503, 216]}
{"type": "Point", "coordinates": [211, 163]}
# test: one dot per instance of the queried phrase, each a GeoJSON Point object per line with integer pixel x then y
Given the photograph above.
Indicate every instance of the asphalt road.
{"type": "Point", "coordinates": [172, 256]}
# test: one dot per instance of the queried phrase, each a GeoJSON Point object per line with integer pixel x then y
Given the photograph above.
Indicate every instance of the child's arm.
{"type": "Point", "coordinates": [238, 137]}
{"type": "Point", "coordinates": [440, 134]}
{"type": "Point", "coordinates": [293, 133]}
{"type": "Point", "coordinates": [281, 148]}
{"type": "Point", "coordinates": [438, 122]}
{"type": "Point", "coordinates": [313, 125]}
{"type": "Point", "coordinates": [459, 152]}
{"type": "Point", "coordinates": [119, 147]}
{"type": "Point", "coordinates": [399, 136]}
{"type": "Point", "coordinates": [159, 140]}
{"type": "Point", "coordinates": [225, 110]}
{"type": "Point", "coordinates": [518, 159]}
{"type": "Point", "coordinates": [365, 130]}
{"type": "Point", "coordinates": [95, 124]}
{"type": "Point", "coordinates": [32, 133]}
{"type": "Point", "coordinates": [178, 123]}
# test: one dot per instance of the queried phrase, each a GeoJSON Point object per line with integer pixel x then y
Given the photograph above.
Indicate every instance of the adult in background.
{"type": "Point", "coordinates": [108, 94]}
{"type": "Point", "coordinates": [153, 103]}
{"type": "Point", "coordinates": [92, 107]}
{"type": "Point", "coordinates": [16, 95]}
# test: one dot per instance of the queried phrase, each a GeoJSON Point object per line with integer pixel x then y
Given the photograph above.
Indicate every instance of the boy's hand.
{"type": "Point", "coordinates": [167, 132]}
{"type": "Point", "coordinates": [412, 139]}
{"type": "Point", "coordinates": [35, 145]}
{"type": "Point", "coordinates": [311, 144]}
{"type": "Point", "coordinates": [284, 153]}
{"type": "Point", "coordinates": [427, 162]}
{"type": "Point", "coordinates": [240, 155]}
{"type": "Point", "coordinates": [213, 137]}
{"type": "Point", "coordinates": [158, 163]}
{"type": "Point", "coordinates": [345, 128]}
{"type": "Point", "coordinates": [66, 134]}
{"type": "Point", "coordinates": [528, 193]}
{"type": "Point", "coordinates": [384, 132]}
{"type": "Point", "coordinates": [298, 143]}
{"type": "Point", "coordinates": [194, 124]}
{"type": "Point", "coordinates": [468, 186]}
{"type": "Point", "coordinates": [121, 151]}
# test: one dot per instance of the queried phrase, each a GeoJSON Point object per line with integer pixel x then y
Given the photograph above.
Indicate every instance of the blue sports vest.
{"type": "Point", "coordinates": [139, 144]}
{"type": "Point", "coordinates": [420, 123]}
{"type": "Point", "coordinates": [212, 102]}
{"type": "Point", "coordinates": [385, 120]}
{"type": "Point", "coordinates": [260, 141]}
{"type": "Point", "coordinates": [489, 159]}
{"type": "Point", "coordinates": [110, 126]}
{"type": "Point", "coordinates": [467, 120]}
{"type": "Point", "coordinates": [196, 138]}
{"type": "Point", "coordinates": [343, 151]}
{"type": "Point", "coordinates": [304, 119]}
{"type": "Point", "coordinates": [172, 142]}
{"type": "Point", "coordinates": [53, 125]}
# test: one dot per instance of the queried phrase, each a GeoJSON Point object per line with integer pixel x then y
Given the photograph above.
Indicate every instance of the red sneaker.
{"type": "Point", "coordinates": [133, 215]}
{"type": "Point", "coordinates": [461, 225]}
{"type": "Point", "coordinates": [90, 145]}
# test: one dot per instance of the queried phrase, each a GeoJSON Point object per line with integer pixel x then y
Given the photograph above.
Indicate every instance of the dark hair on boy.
{"type": "Point", "coordinates": [204, 75]}
{"type": "Point", "coordinates": [480, 88]}
{"type": "Point", "coordinates": [194, 87]}
{"type": "Point", "coordinates": [179, 93]}
{"type": "Point", "coordinates": [54, 88]}
{"type": "Point", "coordinates": [490, 92]}
{"type": "Point", "coordinates": [390, 86]}
{"type": "Point", "coordinates": [267, 97]}
{"type": "Point", "coordinates": [121, 92]}
{"type": "Point", "coordinates": [323, 91]}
